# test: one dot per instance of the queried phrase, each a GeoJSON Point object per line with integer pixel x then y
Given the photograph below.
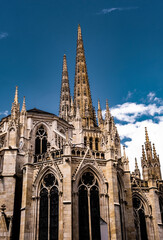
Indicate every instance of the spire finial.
{"type": "Point", "coordinates": [64, 63]}
{"type": "Point", "coordinates": [154, 150]}
{"type": "Point", "coordinates": [107, 105]}
{"type": "Point", "coordinates": [143, 153]}
{"type": "Point", "coordinates": [23, 106]}
{"type": "Point", "coordinates": [79, 32]}
{"type": "Point", "coordinates": [16, 96]}
{"type": "Point", "coordinates": [99, 107]}
{"type": "Point", "coordinates": [146, 135]}
{"type": "Point", "coordinates": [124, 152]}
{"type": "Point", "coordinates": [136, 163]}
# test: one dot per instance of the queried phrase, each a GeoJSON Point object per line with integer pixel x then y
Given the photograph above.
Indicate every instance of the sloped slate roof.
{"type": "Point", "coordinates": [36, 110]}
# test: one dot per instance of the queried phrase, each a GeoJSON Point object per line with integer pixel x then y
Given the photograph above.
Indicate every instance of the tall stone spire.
{"type": "Point", "coordinates": [82, 94]}
{"type": "Point", "coordinates": [65, 99]}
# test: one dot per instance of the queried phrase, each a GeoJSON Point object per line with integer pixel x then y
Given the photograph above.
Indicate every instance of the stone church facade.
{"type": "Point", "coordinates": [65, 177]}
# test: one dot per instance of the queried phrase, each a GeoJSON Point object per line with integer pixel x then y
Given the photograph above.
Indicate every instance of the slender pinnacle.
{"type": "Point", "coordinates": [99, 107]}
{"type": "Point", "coordinates": [79, 32]}
{"type": "Point", "coordinates": [16, 95]}
{"type": "Point", "coordinates": [146, 135]}
{"type": "Point", "coordinates": [24, 105]}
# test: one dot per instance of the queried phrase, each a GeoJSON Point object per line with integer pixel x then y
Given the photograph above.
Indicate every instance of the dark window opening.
{"type": "Point", "coordinates": [49, 207]}
{"type": "Point", "coordinates": [96, 144]}
{"type": "Point", "coordinates": [85, 141]}
{"type": "Point", "coordinates": [161, 208]}
{"type": "Point", "coordinates": [91, 143]}
{"type": "Point", "coordinates": [89, 208]}
{"type": "Point", "coordinates": [140, 222]}
{"type": "Point", "coordinates": [41, 141]}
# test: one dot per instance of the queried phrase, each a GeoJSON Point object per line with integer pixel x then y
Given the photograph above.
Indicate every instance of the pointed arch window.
{"type": "Point", "coordinates": [140, 222]}
{"type": "Point", "coordinates": [83, 79]}
{"type": "Point", "coordinates": [41, 141]}
{"type": "Point", "coordinates": [89, 208]}
{"type": "Point", "coordinates": [49, 208]}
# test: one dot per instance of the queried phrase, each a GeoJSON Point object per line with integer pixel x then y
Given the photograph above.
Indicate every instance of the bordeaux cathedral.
{"type": "Point", "coordinates": [64, 177]}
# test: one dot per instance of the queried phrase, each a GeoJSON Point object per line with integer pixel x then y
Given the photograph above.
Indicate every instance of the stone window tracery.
{"type": "Point", "coordinates": [49, 208]}
{"type": "Point", "coordinates": [40, 141]}
{"type": "Point", "coordinates": [89, 207]}
{"type": "Point", "coordinates": [140, 222]}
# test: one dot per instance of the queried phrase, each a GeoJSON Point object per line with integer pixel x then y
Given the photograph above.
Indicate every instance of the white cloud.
{"type": "Point", "coordinates": [109, 10]}
{"type": "Point", "coordinates": [131, 127]}
{"type": "Point", "coordinates": [3, 35]}
{"type": "Point", "coordinates": [151, 96]}
{"type": "Point", "coordinates": [130, 111]}
{"type": "Point", "coordinates": [4, 113]}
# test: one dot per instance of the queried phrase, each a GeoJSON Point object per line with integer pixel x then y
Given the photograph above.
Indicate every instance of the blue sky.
{"type": "Point", "coordinates": [123, 42]}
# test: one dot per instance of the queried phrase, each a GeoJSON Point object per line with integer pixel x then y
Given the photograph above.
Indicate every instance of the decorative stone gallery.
{"type": "Point", "coordinates": [64, 178]}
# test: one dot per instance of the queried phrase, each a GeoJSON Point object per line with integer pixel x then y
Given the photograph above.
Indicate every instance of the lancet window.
{"type": "Point", "coordinates": [48, 208]}
{"type": "Point", "coordinates": [140, 222]}
{"type": "Point", "coordinates": [41, 141]}
{"type": "Point", "coordinates": [89, 208]}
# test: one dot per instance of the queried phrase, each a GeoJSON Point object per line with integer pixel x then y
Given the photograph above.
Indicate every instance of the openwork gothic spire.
{"type": "Point", "coordinates": [82, 94]}
{"type": "Point", "coordinates": [65, 99]}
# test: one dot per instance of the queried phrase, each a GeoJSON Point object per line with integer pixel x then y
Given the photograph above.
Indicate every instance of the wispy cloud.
{"type": "Point", "coordinates": [109, 10]}
{"type": "Point", "coordinates": [3, 35]}
{"type": "Point", "coordinates": [4, 113]}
